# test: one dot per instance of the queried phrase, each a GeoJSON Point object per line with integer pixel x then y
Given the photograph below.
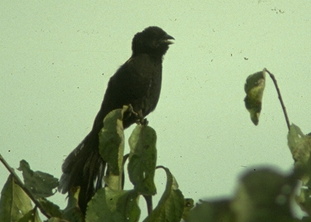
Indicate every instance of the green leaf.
{"type": "Point", "coordinates": [142, 159]}
{"type": "Point", "coordinates": [254, 87]}
{"type": "Point", "coordinates": [114, 206]}
{"type": "Point", "coordinates": [14, 202]}
{"type": "Point", "coordinates": [171, 205]}
{"type": "Point", "coordinates": [40, 184]}
{"type": "Point", "coordinates": [111, 146]}
{"type": "Point", "coordinates": [97, 209]}
{"type": "Point", "coordinates": [32, 216]}
{"type": "Point", "coordinates": [300, 147]}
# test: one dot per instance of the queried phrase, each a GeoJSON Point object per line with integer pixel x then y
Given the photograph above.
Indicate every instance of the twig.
{"type": "Point", "coordinates": [280, 97]}
{"type": "Point", "coordinates": [21, 184]}
{"type": "Point", "coordinates": [148, 199]}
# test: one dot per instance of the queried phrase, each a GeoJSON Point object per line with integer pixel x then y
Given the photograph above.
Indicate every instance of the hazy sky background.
{"type": "Point", "coordinates": [56, 60]}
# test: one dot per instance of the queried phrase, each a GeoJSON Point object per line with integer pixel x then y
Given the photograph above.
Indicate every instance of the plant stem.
{"type": "Point", "coordinates": [20, 183]}
{"type": "Point", "coordinates": [149, 203]}
{"type": "Point", "coordinates": [279, 95]}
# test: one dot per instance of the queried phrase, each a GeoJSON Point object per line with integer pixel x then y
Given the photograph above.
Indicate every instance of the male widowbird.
{"type": "Point", "coordinates": [137, 83]}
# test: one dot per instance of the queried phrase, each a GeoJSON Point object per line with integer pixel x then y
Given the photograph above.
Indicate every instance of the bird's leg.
{"type": "Point", "coordinates": [139, 115]}
{"type": "Point", "coordinates": [141, 119]}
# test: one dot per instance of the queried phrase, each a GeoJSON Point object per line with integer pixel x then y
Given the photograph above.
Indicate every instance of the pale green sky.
{"type": "Point", "coordinates": [56, 59]}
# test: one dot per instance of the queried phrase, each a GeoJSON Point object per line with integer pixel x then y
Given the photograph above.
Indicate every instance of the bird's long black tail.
{"type": "Point", "coordinates": [85, 168]}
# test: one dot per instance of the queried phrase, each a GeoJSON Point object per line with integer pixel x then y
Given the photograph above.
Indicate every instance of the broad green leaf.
{"type": "Point", "coordinates": [97, 209]}
{"type": "Point", "coordinates": [114, 206]}
{"type": "Point", "coordinates": [14, 202]}
{"type": "Point", "coordinates": [111, 145]}
{"type": "Point", "coordinates": [171, 205]}
{"type": "Point", "coordinates": [142, 159]}
{"type": "Point", "coordinates": [40, 184]}
{"type": "Point", "coordinates": [124, 203]}
{"type": "Point", "coordinates": [254, 87]}
{"type": "Point", "coordinates": [32, 216]}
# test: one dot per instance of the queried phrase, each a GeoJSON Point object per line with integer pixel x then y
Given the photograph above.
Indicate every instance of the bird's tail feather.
{"type": "Point", "coordinates": [85, 168]}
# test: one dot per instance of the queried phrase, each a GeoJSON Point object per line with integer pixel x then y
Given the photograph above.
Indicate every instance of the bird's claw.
{"type": "Point", "coordinates": [140, 119]}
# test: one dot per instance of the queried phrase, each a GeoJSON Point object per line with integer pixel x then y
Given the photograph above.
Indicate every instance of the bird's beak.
{"type": "Point", "coordinates": [168, 39]}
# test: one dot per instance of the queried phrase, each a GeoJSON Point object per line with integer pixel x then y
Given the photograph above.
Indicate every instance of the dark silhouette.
{"type": "Point", "coordinates": [136, 82]}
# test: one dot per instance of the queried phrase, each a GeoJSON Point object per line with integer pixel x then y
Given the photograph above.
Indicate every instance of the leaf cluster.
{"type": "Point", "coordinates": [110, 203]}
{"type": "Point", "coordinates": [262, 194]}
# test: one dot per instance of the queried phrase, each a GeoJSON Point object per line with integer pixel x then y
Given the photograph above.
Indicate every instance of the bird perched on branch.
{"type": "Point", "coordinates": [138, 83]}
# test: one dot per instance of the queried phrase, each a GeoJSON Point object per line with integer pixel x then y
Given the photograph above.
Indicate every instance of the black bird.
{"type": "Point", "coordinates": [136, 82]}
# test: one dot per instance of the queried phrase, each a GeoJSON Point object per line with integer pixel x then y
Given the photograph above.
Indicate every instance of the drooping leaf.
{"type": "Point", "coordinates": [40, 184]}
{"type": "Point", "coordinates": [171, 205]}
{"type": "Point", "coordinates": [114, 206]}
{"type": "Point", "coordinates": [142, 159]}
{"type": "Point", "coordinates": [14, 202]}
{"type": "Point", "coordinates": [111, 145]}
{"type": "Point", "coordinates": [254, 87]}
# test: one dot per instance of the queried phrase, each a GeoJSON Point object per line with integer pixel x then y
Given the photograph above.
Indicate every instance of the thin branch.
{"type": "Point", "coordinates": [280, 97]}
{"type": "Point", "coordinates": [21, 184]}
{"type": "Point", "coordinates": [148, 199]}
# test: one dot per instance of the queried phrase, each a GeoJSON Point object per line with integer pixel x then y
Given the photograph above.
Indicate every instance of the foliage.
{"type": "Point", "coordinates": [254, 87]}
{"type": "Point", "coordinates": [261, 195]}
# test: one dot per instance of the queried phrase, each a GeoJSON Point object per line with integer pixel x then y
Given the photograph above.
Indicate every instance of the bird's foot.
{"type": "Point", "coordinates": [140, 119]}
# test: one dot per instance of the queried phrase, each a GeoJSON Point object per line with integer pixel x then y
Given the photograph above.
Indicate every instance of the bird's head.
{"type": "Point", "coordinates": [152, 40]}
